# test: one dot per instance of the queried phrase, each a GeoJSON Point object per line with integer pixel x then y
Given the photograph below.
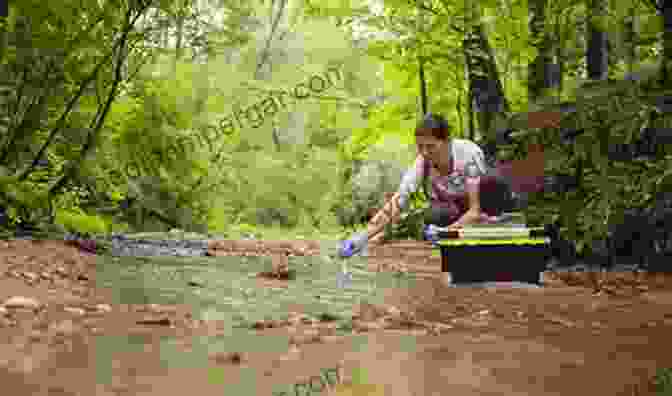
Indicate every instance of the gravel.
{"type": "Point", "coordinates": [123, 246]}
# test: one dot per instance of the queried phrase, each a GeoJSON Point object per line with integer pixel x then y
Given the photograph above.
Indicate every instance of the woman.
{"type": "Point", "coordinates": [463, 190]}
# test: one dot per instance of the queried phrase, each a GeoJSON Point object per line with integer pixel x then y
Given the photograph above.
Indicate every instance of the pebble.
{"type": "Point", "coordinates": [21, 302]}
{"type": "Point", "coordinates": [65, 327]}
{"type": "Point", "coordinates": [103, 308]}
{"type": "Point", "coordinates": [3, 310]}
{"type": "Point", "coordinates": [155, 321]}
{"type": "Point", "coordinates": [368, 326]}
{"type": "Point", "coordinates": [74, 310]}
{"type": "Point", "coordinates": [31, 276]}
{"type": "Point", "coordinates": [227, 357]}
{"type": "Point", "coordinates": [393, 311]}
{"type": "Point", "coordinates": [293, 353]}
{"type": "Point", "coordinates": [122, 246]}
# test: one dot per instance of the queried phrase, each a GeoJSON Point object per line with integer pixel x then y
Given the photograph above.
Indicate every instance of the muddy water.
{"type": "Point", "coordinates": [228, 289]}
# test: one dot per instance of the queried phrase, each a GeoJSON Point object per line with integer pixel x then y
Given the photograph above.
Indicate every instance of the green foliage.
{"type": "Point", "coordinates": [411, 222]}
{"type": "Point", "coordinates": [78, 221]}
{"type": "Point", "coordinates": [607, 186]}
{"type": "Point", "coordinates": [663, 382]}
{"type": "Point", "coordinates": [300, 168]}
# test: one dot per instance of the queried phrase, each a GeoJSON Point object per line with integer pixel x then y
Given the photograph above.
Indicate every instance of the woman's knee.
{"type": "Point", "coordinates": [442, 217]}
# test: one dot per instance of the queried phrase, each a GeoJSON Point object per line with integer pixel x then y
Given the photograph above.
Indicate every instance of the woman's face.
{"type": "Point", "coordinates": [431, 148]}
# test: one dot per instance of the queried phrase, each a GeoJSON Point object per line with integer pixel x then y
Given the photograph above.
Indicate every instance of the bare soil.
{"type": "Point", "coordinates": [591, 334]}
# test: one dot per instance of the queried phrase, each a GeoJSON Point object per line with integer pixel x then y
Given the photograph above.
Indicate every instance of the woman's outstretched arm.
{"type": "Point", "coordinates": [389, 213]}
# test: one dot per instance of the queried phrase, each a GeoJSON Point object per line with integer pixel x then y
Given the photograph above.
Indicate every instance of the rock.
{"type": "Point", "coordinates": [308, 337]}
{"type": "Point", "coordinates": [35, 336]}
{"type": "Point", "coordinates": [3, 310]}
{"type": "Point", "coordinates": [74, 310]}
{"type": "Point", "coordinates": [438, 328]}
{"type": "Point", "coordinates": [368, 325]}
{"type": "Point", "coordinates": [292, 354]}
{"type": "Point", "coordinates": [369, 312]}
{"type": "Point", "coordinates": [156, 308]}
{"type": "Point", "coordinates": [393, 311]}
{"type": "Point", "coordinates": [21, 302]}
{"type": "Point", "coordinates": [259, 325]}
{"type": "Point", "coordinates": [103, 308]}
{"type": "Point", "coordinates": [65, 327]}
{"type": "Point", "coordinates": [155, 322]}
{"type": "Point", "coordinates": [31, 276]}
{"type": "Point", "coordinates": [227, 357]}
{"type": "Point", "coordinates": [331, 338]}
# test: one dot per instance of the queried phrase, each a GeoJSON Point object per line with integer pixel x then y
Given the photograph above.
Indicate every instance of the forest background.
{"type": "Point", "coordinates": [93, 88]}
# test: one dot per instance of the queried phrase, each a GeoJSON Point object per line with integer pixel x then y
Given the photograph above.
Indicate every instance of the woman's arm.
{"type": "Point", "coordinates": [473, 214]}
{"type": "Point", "coordinates": [398, 202]}
{"type": "Point", "coordinates": [473, 172]}
{"type": "Point", "coordinates": [388, 214]}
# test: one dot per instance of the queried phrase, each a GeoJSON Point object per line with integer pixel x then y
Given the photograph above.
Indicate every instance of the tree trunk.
{"type": "Point", "coordinates": [537, 81]}
{"type": "Point", "coordinates": [630, 29]}
{"type": "Point", "coordinates": [667, 44]}
{"type": "Point", "coordinates": [484, 84]}
{"type": "Point", "coordinates": [597, 59]}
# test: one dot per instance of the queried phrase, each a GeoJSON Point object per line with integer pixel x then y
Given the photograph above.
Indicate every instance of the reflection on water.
{"type": "Point", "coordinates": [231, 292]}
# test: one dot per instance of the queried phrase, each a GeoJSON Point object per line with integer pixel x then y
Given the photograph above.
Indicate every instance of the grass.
{"type": "Point", "coordinates": [663, 382]}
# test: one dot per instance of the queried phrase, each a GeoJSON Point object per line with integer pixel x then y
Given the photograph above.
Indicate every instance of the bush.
{"type": "Point", "coordinates": [80, 222]}
{"type": "Point", "coordinates": [380, 173]}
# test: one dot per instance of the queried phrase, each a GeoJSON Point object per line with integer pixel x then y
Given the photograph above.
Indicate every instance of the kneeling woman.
{"type": "Point", "coordinates": [461, 193]}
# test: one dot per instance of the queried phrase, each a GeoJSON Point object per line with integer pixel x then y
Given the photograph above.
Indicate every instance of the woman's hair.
{"type": "Point", "coordinates": [433, 125]}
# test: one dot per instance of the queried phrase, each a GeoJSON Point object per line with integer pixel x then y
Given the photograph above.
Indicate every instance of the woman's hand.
{"type": "Point", "coordinates": [472, 216]}
{"type": "Point", "coordinates": [353, 245]}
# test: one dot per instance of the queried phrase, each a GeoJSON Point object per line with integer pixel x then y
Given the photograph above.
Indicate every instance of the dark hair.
{"type": "Point", "coordinates": [433, 125]}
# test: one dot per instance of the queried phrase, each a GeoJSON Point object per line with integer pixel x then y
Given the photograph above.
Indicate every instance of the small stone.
{"type": "Point", "coordinates": [309, 337]}
{"type": "Point", "coordinates": [21, 302]}
{"type": "Point", "coordinates": [3, 310]}
{"type": "Point", "coordinates": [393, 311]}
{"type": "Point", "coordinates": [331, 338]}
{"type": "Point", "coordinates": [367, 326]}
{"type": "Point", "coordinates": [103, 308]}
{"type": "Point", "coordinates": [155, 322]}
{"type": "Point", "coordinates": [259, 325]}
{"type": "Point", "coordinates": [438, 328]}
{"type": "Point", "coordinates": [293, 353]}
{"type": "Point", "coordinates": [31, 276]}
{"type": "Point", "coordinates": [65, 327]}
{"type": "Point", "coordinates": [74, 310]}
{"type": "Point", "coordinates": [294, 318]}
{"type": "Point", "coordinates": [45, 276]}
{"type": "Point", "coordinates": [35, 336]}
{"type": "Point", "coordinates": [227, 357]}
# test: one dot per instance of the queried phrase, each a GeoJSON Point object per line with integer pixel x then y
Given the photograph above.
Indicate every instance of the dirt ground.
{"type": "Point", "coordinates": [581, 334]}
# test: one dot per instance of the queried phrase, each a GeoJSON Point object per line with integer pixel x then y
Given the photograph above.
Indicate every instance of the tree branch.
{"type": "Point", "coordinates": [62, 120]}
{"type": "Point", "coordinates": [100, 120]}
{"type": "Point", "coordinates": [265, 52]}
